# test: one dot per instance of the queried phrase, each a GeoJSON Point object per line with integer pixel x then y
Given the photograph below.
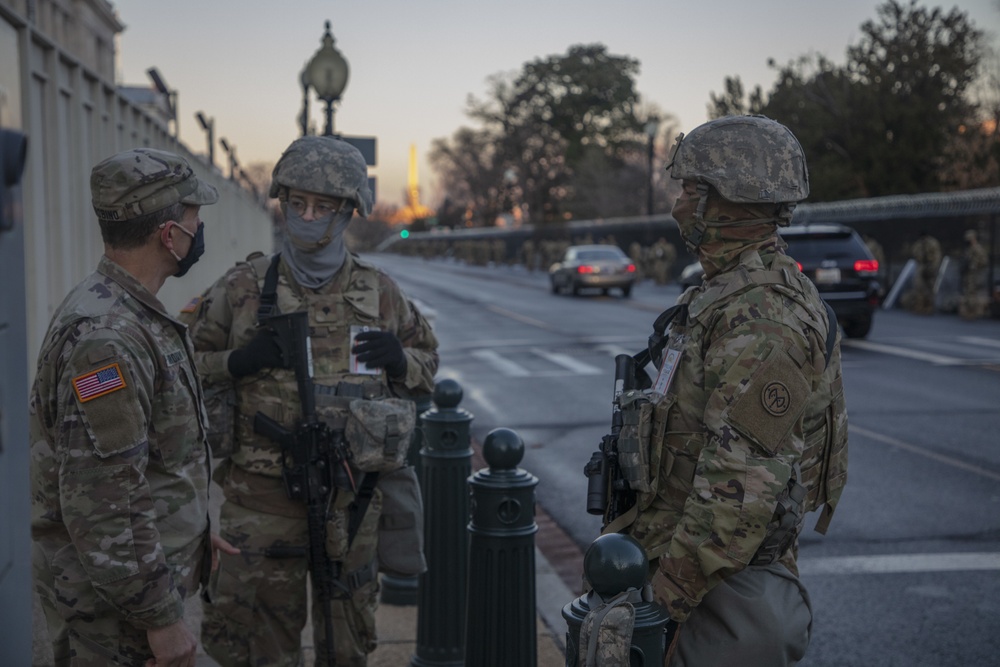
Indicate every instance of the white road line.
{"type": "Point", "coordinates": [904, 352]}
{"type": "Point", "coordinates": [614, 350]}
{"type": "Point", "coordinates": [900, 563]}
{"type": "Point", "coordinates": [916, 449]}
{"type": "Point", "coordinates": [977, 340]}
{"type": "Point", "coordinates": [524, 319]}
{"type": "Point", "coordinates": [567, 362]}
{"type": "Point", "coordinates": [502, 364]}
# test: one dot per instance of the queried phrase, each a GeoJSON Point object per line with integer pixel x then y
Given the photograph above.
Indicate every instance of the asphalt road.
{"type": "Point", "coordinates": [909, 573]}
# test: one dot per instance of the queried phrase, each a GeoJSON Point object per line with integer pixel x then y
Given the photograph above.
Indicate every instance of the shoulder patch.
{"type": "Point", "coordinates": [100, 382]}
{"type": "Point", "coordinates": [192, 305]}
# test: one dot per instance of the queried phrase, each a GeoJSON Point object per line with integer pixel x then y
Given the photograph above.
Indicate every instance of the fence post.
{"type": "Point", "coordinates": [399, 590]}
{"type": "Point", "coordinates": [616, 564]}
{"type": "Point", "coordinates": [501, 627]}
{"type": "Point", "coordinates": [446, 464]}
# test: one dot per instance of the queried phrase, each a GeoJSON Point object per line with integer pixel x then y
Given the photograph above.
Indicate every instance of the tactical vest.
{"type": "Point", "coordinates": [662, 438]}
{"type": "Point", "coordinates": [332, 312]}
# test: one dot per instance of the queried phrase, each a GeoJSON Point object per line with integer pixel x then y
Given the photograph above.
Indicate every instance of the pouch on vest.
{"type": "Point", "coordinates": [634, 439]}
{"type": "Point", "coordinates": [401, 526]}
{"type": "Point", "coordinates": [220, 408]}
{"type": "Point", "coordinates": [378, 433]}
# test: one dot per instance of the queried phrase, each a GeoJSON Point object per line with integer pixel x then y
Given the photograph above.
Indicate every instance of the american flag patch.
{"type": "Point", "coordinates": [192, 305]}
{"type": "Point", "coordinates": [98, 383]}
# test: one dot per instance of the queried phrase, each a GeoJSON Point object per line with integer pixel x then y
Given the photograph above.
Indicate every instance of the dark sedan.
{"type": "Point", "coordinates": [602, 267]}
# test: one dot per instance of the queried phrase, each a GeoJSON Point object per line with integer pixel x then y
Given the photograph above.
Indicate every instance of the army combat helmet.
{"type": "Point", "coordinates": [326, 166]}
{"type": "Point", "coordinates": [747, 159]}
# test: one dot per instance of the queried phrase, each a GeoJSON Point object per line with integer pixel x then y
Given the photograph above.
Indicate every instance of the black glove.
{"type": "Point", "coordinates": [261, 352]}
{"type": "Point", "coordinates": [381, 349]}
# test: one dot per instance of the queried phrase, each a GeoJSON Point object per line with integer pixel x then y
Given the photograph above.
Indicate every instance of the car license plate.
{"type": "Point", "coordinates": [827, 276]}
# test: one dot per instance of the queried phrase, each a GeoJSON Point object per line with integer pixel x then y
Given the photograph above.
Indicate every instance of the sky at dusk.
{"type": "Point", "coordinates": [413, 64]}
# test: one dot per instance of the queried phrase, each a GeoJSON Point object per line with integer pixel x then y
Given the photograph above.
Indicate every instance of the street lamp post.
{"type": "Point", "coordinates": [652, 126]}
{"type": "Point", "coordinates": [171, 95]}
{"type": "Point", "coordinates": [327, 73]}
{"type": "Point", "coordinates": [231, 150]}
{"type": "Point", "coordinates": [208, 124]}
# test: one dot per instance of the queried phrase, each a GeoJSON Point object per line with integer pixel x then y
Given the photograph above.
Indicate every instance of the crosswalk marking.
{"type": "Point", "coordinates": [977, 340]}
{"type": "Point", "coordinates": [568, 362]}
{"type": "Point", "coordinates": [501, 363]}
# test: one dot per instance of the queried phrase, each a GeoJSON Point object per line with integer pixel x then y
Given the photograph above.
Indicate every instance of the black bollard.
{"type": "Point", "coordinates": [445, 468]}
{"type": "Point", "coordinates": [616, 564]}
{"type": "Point", "coordinates": [399, 590]}
{"type": "Point", "coordinates": [501, 627]}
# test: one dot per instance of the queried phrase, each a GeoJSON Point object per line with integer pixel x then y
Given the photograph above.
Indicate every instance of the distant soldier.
{"type": "Point", "coordinates": [635, 254]}
{"type": "Point", "coordinates": [973, 304]}
{"type": "Point", "coordinates": [926, 251]}
{"type": "Point", "coordinates": [663, 258]}
{"type": "Point", "coordinates": [528, 255]}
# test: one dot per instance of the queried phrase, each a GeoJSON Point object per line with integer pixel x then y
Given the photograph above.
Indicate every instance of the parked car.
{"type": "Point", "coordinates": [840, 265]}
{"type": "Point", "coordinates": [602, 267]}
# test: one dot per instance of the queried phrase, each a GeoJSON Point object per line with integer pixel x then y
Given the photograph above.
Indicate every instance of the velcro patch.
{"type": "Point", "coordinates": [98, 383]}
{"type": "Point", "coordinates": [192, 305]}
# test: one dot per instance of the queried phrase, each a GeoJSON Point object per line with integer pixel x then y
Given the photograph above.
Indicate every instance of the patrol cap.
{"type": "Point", "coordinates": [145, 180]}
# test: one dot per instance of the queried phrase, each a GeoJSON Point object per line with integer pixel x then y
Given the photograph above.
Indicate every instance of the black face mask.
{"type": "Point", "coordinates": [194, 253]}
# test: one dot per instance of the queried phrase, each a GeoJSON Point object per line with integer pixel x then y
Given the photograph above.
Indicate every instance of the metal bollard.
{"type": "Point", "coordinates": [446, 465]}
{"type": "Point", "coordinates": [613, 564]}
{"type": "Point", "coordinates": [402, 591]}
{"type": "Point", "coordinates": [501, 627]}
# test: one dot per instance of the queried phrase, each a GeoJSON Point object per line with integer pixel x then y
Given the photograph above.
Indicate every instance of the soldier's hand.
{"type": "Point", "coordinates": [261, 352]}
{"type": "Point", "coordinates": [219, 544]}
{"type": "Point", "coordinates": [172, 645]}
{"type": "Point", "coordinates": [381, 349]}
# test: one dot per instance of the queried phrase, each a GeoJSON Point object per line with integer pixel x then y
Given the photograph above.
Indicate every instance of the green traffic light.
{"type": "Point", "coordinates": [404, 234]}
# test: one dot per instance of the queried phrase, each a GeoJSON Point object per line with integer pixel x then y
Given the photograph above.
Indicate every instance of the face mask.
{"type": "Point", "coordinates": [194, 253]}
{"type": "Point", "coordinates": [314, 250]}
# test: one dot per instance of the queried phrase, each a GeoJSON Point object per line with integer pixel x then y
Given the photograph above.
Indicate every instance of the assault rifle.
{"type": "Point", "coordinates": [313, 464]}
{"type": "Point", "coordinates": [607, 491]}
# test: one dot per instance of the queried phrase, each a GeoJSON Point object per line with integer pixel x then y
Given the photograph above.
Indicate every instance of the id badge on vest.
{"type": "Point", "coordinates": [671, 359]}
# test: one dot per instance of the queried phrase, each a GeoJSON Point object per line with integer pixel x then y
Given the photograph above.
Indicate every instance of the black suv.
{"type": "Point", "coordinates": [840, 265]}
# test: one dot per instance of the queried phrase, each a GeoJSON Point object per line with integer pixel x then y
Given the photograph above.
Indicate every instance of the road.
{"type": "Point", "coordinates": [909, 573]}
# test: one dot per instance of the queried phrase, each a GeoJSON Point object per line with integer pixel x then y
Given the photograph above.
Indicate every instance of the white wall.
{"type": "Point", "coordinates": [74, 118]}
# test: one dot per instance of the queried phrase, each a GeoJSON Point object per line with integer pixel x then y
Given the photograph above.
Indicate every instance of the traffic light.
{"type": "Point", "coordinates": [404, 234]}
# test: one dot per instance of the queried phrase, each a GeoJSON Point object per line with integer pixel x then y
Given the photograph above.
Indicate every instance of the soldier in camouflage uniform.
{"type": "Point", "coordinates": [259, 604]}
{"type": "Point", "coordinates": [748, 425]}
{"type": "Point", "coordinates": [926, 252]}
{"type": "Point", "coordinates": [974, 303]}
{"type": "Point", "coordinates": [119, 462]}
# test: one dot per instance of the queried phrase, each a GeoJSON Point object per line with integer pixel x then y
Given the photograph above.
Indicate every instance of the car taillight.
{"type": "Point", "coordinates": [866, 266]}
{"type": "Point", "coordinates": [631, 268]}
{"type": "Point", "coordinates": [584, 269]}
{"type": "Point", "coordinates": [799, 264]}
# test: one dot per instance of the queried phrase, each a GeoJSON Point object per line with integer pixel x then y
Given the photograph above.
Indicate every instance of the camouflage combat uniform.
{"type": "Point", "coordinates": [747, 422]}
{"type": "Point", "coordinates": [119, 471]}
{"type": "Point", "coordinates": [974, 303]}
{"type": "Point", "coordinates": [927, 253]}
{"type": "Point", "coordinates": [259, 604]}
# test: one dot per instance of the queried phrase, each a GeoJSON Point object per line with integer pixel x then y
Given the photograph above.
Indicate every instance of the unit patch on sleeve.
{"type": "Point", "coordinates": [98, 383]}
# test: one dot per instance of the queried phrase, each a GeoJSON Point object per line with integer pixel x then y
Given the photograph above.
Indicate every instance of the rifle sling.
{"type": "Point", "coordinates": [357, 509]}
{"type": "Point", "coordinates": [268, 304]}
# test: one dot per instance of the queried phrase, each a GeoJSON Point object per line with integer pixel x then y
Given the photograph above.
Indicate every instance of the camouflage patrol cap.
{"type": "Point", "coordinates": [747, 159]}
{"type": "Point", "coordinates": [145, 180]}
{"type": "Point", "coordinates": [326, 166]}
